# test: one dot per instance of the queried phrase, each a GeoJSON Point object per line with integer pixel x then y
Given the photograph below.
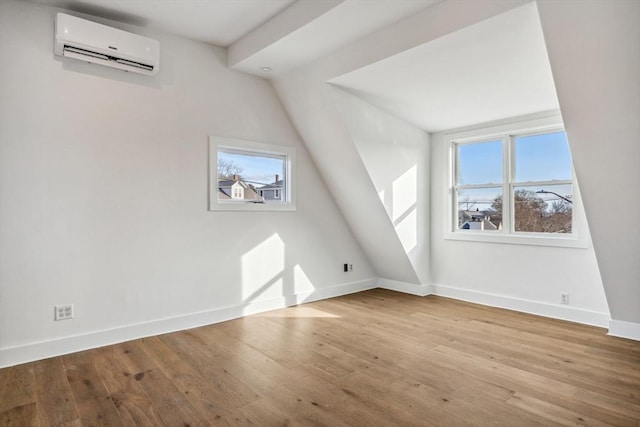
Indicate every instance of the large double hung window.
{"type": "Point", "coordinates": [516, 183]}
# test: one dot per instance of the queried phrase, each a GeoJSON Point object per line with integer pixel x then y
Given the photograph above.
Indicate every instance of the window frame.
{"type": "Point", "coordinates": [217, 143]}
{"type": "Point", "coordinates": [507, 133]}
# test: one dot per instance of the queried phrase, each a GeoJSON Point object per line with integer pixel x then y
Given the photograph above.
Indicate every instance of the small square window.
{"type": "Point", "coordinates": [247, 175]}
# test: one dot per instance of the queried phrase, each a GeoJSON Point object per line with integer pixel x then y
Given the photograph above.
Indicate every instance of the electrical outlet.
{"type": "Point", "coordinates": [350, 267]}
{"type": "Point", "coordinates": [64, 312]}
{"type": "Point", "coordinates": [564, 298]}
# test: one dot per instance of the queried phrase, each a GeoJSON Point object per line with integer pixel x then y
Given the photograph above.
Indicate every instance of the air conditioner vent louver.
{"type": "Point", "coordinates": [96, 43]}
{"type": "Point", "coordinates": [77, 53]}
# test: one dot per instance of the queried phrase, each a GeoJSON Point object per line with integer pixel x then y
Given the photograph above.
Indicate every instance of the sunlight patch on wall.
{"type": "Point", "coordinates": [403, 214]}
{"type": "Point", "coordinates": [262, 270]}
{"type": "Point", "coordinates": [405, 193]}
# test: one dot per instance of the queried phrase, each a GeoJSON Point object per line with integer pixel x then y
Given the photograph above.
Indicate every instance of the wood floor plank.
{"type": "Point", "coordinates": [545, 388]}
{"type": "Point", "coordinates": [558, 365]}
{"type": "Point", "coordinates": [54, 400]}
{"type": "Point", "coordinates": [375, 358]}
{"type": "Point", "coordinates": [213, 400]}
{"type": "Point", "coordinates": [133, 404]}
{"type": "Point", "coordinates": [93, 401]}
{"type": "Point", "coordinates": [170, 406]}
{"type": "Point", "coordinates": [20, 416]}
{"type": "Point", "coordinates": [552, 412]}
{"type": "Point", "coordinates": [234, 391]}
{"type": "Point", "coordinates": [16, 387]}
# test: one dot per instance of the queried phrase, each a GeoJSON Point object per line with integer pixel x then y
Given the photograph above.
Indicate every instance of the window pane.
{"type": "Point", "coordinates": [251, 177]}
{"type": "Point", "coordinates": [542, 157]}
{"type": "Point", "coordinates": [480, 209]}
{"type": "Point", "coordinates": [480, 163]}
{"type": "Point", "coordinates": [543, 210]}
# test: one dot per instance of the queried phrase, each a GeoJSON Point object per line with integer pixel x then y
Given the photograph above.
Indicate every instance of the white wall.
{"type": "Point", "coordinates": [396, 156]}
{"type": "Point", "coordinates": [103, 198]}
{"type": "Point", "coordinates": [594, 51]}
{"type": "Point", "coordinates": [312, 105]}
{"type": "Point", "coordinates": [310, 102]}
{"type": "Point", "coordinates": [523, 277]}
{"type": "Point", "coordinates": [504, 275]}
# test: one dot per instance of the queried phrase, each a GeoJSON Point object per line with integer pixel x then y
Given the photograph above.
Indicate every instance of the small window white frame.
{"type": "Point", "coordinates": [543, 124]}
{"type": "Point", "coordinates": [217, 143]}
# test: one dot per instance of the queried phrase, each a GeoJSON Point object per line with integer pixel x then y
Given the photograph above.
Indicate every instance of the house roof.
{"type": "Point", "coordinates": [224, 193]}
{"type": "Point", "coordinates": [476, 214]}
{"type": "Point", "coordinates": [274, 185]}
{"type": "Point", "coordinates": [226, 183]}
{"type": "Point", "coordinates": [485, 224]}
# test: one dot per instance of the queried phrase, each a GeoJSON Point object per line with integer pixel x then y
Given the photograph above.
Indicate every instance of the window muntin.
{"type": "Point", "coordinates": [246, 175]}
{"type": "Point", "coordinates": [534, 196]}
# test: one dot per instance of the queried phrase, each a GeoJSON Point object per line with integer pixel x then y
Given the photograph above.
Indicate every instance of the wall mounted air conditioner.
{"type": "Point", "coordinates": [92, 42]}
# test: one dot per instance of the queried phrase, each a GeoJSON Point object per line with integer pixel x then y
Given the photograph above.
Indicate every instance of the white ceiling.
{"type": "Point", "coordinates": [220, 22]}
{"type": "Point", "coordinates": [334, 24]}
{"type": "Point", "coordinates": [279, 34]}
{"type": "Point", "coordinates": [493, 70]}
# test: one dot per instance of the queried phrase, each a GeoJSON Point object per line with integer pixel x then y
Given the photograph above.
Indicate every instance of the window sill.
{"type": "Point", "coordinates": [251, 207]}
{"type": "Point", "coordinates": [519, 239]}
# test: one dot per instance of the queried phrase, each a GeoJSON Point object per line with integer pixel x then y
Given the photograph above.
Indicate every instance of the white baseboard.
{"type": "Point", "coordinates": [405, 287]}
{"type": "Point", "coordinates": [41, 350]}
{"type": "Point", "coordinates": [623, 329]}
{"type": "Point", "coordinates": [562, 312]}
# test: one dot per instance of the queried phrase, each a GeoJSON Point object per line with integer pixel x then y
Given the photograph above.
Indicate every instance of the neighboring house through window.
{"type": "Point", "coordinates": [273, 190]}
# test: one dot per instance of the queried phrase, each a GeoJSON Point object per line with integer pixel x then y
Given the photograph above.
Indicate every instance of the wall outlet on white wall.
{"type": "Point", "coordinates": [564, 298]}
{"type": "Point", "coordinates": [63, 312]}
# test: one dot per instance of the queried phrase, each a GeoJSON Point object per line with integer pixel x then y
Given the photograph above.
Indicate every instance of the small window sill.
{"type": "Point", "coordinates": [248, 206]}
{"type": "Point", "coordinates": [519, 239]}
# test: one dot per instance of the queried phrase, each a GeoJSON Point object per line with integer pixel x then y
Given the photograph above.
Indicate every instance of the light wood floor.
{"type": "Point", "coordinates": [376, 358]}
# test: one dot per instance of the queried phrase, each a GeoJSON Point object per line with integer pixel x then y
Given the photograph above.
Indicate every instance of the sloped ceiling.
{"type": "Point", "coordinates": [492, 70]}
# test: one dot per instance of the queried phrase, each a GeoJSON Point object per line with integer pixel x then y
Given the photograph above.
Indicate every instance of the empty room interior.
{"type": "Point", "coordinates": [319, 212]}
